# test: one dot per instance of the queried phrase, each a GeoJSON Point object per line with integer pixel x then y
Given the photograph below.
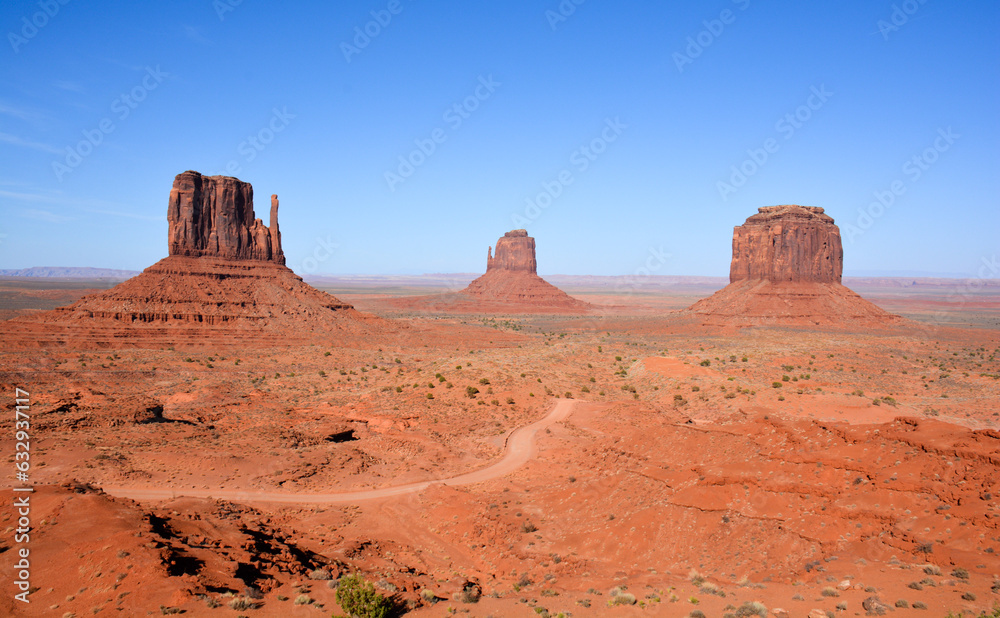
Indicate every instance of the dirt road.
{"type": "Point", "coordinates": [518, 450]}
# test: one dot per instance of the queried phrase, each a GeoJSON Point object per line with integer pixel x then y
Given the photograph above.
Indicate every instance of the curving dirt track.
{"type": "Point", "coordinates": [518, 450]}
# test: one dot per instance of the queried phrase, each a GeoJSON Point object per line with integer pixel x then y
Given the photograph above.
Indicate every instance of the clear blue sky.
{"type": "Point", "coordinates": [671, 118]}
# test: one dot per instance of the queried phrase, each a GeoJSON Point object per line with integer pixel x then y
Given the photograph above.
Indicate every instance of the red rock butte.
{"type": "Point", "coordinates": [515, 253]}
{"type": "Point", "coordinates": [787, 243]}
{"type": "Point", "coordinates": [223, 283]}
{"type": "Point", "coordinates": [511, 285]}
{"type": "Point", "coordinates": [213, 216]}
{"type": "Point", "coordinates": [787, 267]}
{"type": "Point", "coordinates": [512, 278]}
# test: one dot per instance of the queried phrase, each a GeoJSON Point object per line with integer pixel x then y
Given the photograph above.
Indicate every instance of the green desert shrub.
{"type": "Point", "coordinates": [359, 599]}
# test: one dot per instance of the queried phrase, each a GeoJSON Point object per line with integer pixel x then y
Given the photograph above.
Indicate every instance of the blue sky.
{"type": "Point", "coordinates": [616, 133]}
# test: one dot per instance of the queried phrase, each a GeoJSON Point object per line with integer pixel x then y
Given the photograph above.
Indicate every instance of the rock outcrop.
{"type": "Point", "coordinates": [787, 243]}
{"type": "Point", "coordinates": [515, 253]}
{"type": "Point", "coordinates": [213, 216]}
{"type": "Point", "coordinates": [510, 285]}
{"type": "Point", "coordinates": [511, 279]}
{"type": "Point", "coordinates": [224, 283]}
{"type": "Point", "coordinates": [786, 270]}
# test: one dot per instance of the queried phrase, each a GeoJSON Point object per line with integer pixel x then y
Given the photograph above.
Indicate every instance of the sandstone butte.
{"type": "Point", "coordinates": [511, 285]}
{"type": "Point", "coordinates": [224, 282]}
{"type": "Point", "coordinates": [511, 277]}
{"type": "Point", "coordinates": [213, 216]}
{"type": "Point", "coordinates": [787, 268]}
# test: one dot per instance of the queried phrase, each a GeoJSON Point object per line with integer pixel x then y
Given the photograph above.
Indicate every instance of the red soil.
{"type": "Point", "coordinates": [182, 301]}
{"type": "Point", "coordinates": [758, 302]}
{"type": "Point", "coordinates": [683, 474]}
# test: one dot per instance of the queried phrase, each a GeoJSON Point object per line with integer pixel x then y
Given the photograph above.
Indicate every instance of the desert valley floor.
{"type": "Point", "coordinates": [616, 463]}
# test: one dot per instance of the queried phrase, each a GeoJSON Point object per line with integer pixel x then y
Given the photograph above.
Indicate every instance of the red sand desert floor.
{"type": "Point", "coordinates": [671, 469]}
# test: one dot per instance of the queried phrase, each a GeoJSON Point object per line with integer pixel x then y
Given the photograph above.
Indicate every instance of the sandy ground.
{"type": "Point", "coordinates": [519, 447]}
{"type": "Point", "coordinates": [694, 469]}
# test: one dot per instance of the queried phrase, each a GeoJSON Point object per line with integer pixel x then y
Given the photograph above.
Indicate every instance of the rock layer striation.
{"type": "Point", "coordinates": [787, 266]}
{"type": "Point", "coordinates": [515, 253]}
{"type": "Point", "coordinates": [214, 216]}
{"type": "Point", "coordinates": [223, 283]}
{"type": "Point", "coordinates": [787, 243]}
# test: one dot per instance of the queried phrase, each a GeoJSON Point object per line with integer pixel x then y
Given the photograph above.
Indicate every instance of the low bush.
{"type": "Point", "coordinates": [358, 598]}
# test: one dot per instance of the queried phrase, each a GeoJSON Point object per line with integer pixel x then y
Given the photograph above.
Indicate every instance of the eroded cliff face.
{"type": "Point", "coordinates": [213, 216]}
{"type": "Point", "coordinates": [787, 243]}
{"type": "Point", "coordinates": [512, 279]}
{"type": "Point", "coordinates": [515, 252]}
{"type": "Point", "coordinates": [224, 283]}
{"type": "Point", "coordinates": [786, 269]}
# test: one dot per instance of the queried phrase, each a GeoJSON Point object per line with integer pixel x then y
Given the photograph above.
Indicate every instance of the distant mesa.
{"type": "Point", "coordinates": [224, 282]}
{"type": "Point", "coordinates": [69, 272]}
{"type": "Point", "coordinates": [787, 267]}
{"type": "Point", "coordinates": [511, 277]}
